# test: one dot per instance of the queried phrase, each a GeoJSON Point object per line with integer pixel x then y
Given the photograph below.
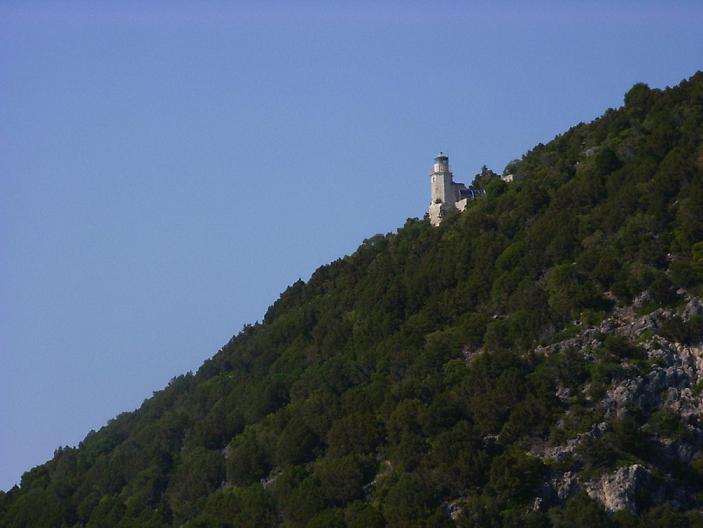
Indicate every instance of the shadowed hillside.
{"type": "Point", "coordinates": [536, 360]}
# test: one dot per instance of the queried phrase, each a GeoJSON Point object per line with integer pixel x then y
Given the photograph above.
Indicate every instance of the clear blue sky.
{"type": "Point", "coordinates": [167, 168]}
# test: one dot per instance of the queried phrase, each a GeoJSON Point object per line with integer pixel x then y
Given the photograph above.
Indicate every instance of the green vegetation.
{"type": "Point", "coordinates": [352, 403]}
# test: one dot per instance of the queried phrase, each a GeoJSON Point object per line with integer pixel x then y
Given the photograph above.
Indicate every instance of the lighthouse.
{"type": "Point", "coordinates": [445, 194]}
{"type": "Point", "coordinates": [442, 189]}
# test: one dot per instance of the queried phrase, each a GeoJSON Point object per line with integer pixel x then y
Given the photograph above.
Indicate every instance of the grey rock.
{"type": "Point", "coordinates": [668, 380]}
{"type": "Point", "coordinates": [452, 508]}
{"type": "Point", "coordinates": [563, 393]}
{"type": "Point", "coordinates": [694, 308]}
{"type": "Point", "coordinates": [641, 300]}
{"type": "Point", "coordinates": [565, 485]}
{"type": "Point", "coordinates": [681, 450]}
{"type": "Point", "coordinates": [562, 452]}
{"type": "Point", "coordinates": [617, 490]}
{"type": "Point", "coordinates": [538, 504]}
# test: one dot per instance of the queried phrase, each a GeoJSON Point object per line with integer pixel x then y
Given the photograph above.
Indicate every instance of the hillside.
{"type": "Point", "coordinates": [536, 360]}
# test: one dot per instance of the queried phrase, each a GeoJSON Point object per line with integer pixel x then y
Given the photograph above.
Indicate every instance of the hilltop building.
{"type": "Point", "coordinates": [447, 195]}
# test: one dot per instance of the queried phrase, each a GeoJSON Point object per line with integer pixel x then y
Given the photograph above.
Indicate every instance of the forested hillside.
{"type": "Point", "coordinates": [512, 367]}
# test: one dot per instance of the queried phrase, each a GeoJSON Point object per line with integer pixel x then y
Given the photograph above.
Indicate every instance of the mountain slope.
{"type": "Point", "coordinates": [476, 374]}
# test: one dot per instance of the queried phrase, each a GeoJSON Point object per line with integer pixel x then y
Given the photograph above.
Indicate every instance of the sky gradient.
{"type": "Point", "coordinates": [166, 170]}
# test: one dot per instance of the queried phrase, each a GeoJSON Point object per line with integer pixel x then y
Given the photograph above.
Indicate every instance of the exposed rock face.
{"type": "Point", "coordinates": [670, 382]}
{"type": "Point", "coordinates": [561, 452]}
{"type": "Point", "coordinates": [618, 490]}
{"type": "Point", "coordinates": [693, 309]}
{"type": "Point", "coordinates": [665, 378]}
{"type": "Point", "coordinates": [566, 485]}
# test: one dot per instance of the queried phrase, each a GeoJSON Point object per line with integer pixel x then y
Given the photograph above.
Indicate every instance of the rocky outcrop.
{"type": "Point", "coordinates": [694, 308]}
{"type": "Point", "coordinates": [618, 490]}
{"type": "Point", "coordinates": [561, 452]}
{"type": "Point", "coordinates": [675, 372]}
{"type": "Point", "coordinates": [565, 486]}
{"type": "Point", "coordinates": [663, 377]}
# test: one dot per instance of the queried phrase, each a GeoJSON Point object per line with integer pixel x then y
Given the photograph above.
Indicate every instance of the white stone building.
{"type": "Point", "coordinates": [447, 195]}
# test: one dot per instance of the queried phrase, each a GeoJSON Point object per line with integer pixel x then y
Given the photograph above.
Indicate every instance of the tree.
{"type": "Point", "coordinates": [408, 502]}
{"type": "Point", "coordinates": [248, 461]}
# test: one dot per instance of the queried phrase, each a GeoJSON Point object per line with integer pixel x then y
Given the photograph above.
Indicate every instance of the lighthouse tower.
{"type": "Point", "coordinates": [442, 189]}
{"type": "Point", "coordinates": [448, 195]}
